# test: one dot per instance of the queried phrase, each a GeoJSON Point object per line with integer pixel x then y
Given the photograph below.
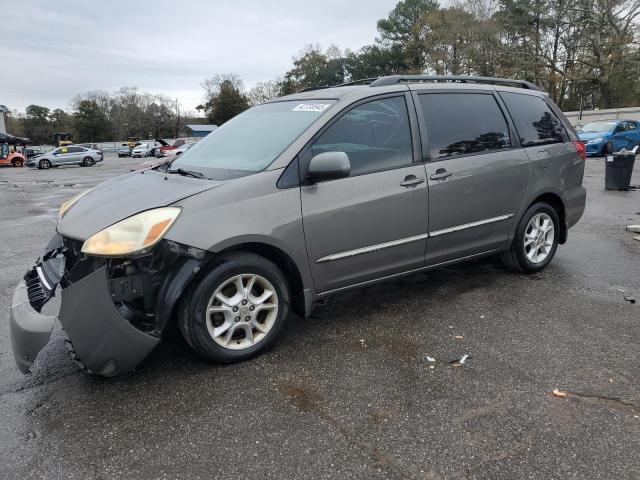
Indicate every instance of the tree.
{"type": "Point", "coordinates": [403, 27]}
{"type": "Point", "coordinates": [224, 100]}
{"type": "Point", "coordinates": [312, 68]}
{"type": "Point", "coordinates": [36, 123]}
{"type": "Point", "coordinates": [91, 122]}
{"type": "Point", "coordinates": [263, 92]}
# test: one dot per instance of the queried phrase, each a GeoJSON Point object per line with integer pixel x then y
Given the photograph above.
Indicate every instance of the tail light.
{"type": "Point", "coordinates": [580, 149]}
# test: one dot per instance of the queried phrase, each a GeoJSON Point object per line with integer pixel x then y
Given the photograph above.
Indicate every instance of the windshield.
{"type": "Point", "coordinates": [598, 127]}
{"type": "Point", "coordinates": [249, 142]}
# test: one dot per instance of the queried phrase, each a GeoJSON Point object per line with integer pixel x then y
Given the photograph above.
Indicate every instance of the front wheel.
{"type": "Point", "coordinates": [44, 164]}
{"type": "Point", "coordinates": [536, 240]}
{"type": "Point", "coordinates": [237, 311]}
{"type": "Point", "coordinates": [17, 162]}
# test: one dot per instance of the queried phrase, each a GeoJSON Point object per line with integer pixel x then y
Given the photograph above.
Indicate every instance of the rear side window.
{"type": "Point", "coordinates": [534, 120]}
{"type": "Point", "coordinates": [375, 135]}
{"type": "Point", "coordinates": [463, 124]}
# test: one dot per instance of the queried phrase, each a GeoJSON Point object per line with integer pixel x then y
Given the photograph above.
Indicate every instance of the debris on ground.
{"type": "Point", "coordinates": [630, 299]}
{"type": "Point", "coordinates": [611, 380]}
{"type": "Point", "coordinates": [430, 359]}
{"type": "Point", "coordinates": [460, 362]}
{"type": "Point", "coordinates": [559, 393]}
{"type": "Point", "coordinates": [633, 228]}
{"type": "Point", "coordinates": [458, 337]}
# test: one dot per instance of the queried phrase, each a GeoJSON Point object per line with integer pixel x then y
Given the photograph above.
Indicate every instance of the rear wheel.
{"type": "Point", "coordinates": [237, 311]}
{"type": "Point", "coordinates": [536, 240]}
{"type": "Point", "coordinates": [87, 161]}
{"type": "Point", "coordinates": [44, 164]}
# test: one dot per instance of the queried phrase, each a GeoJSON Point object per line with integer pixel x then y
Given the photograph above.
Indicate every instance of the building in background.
{"type": "Point", "coordinates": [198, 130]}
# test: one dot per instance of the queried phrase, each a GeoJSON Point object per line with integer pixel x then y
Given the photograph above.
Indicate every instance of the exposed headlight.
{"type": "Point", "coordinates": [596, 140]}
{"type": "Point", "coordinates": [66, 205]}
{"type": "Point", "coordinates": [132, 234]}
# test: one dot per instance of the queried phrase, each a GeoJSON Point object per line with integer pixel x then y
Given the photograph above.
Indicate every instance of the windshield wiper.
{"type": "Point", "coordinates": [187, 173]}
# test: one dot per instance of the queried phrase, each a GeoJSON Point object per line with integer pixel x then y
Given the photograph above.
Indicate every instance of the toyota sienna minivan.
{"type": "Point", "coordinates": [297, 199]}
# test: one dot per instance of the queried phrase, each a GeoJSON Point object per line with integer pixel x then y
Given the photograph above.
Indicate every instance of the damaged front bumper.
{"type": "Point", "coordinates": [112, 311]}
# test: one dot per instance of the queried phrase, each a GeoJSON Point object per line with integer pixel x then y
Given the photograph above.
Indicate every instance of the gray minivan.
{"type": "Point", "coordinates": [297, 199]}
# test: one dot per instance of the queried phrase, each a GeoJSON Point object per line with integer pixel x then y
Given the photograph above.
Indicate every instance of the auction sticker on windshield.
{"type": "Point", "coordinates": [311, 107]}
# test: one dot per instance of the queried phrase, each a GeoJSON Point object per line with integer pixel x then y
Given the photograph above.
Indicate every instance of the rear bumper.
{"type": "Point", "coordinates": [575, 201]}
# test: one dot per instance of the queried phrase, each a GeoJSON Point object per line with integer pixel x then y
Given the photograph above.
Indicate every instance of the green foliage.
{"type": "Point", "coordinates": [91, 122]}
{"type": "Point", "coordinates": [225, 100]}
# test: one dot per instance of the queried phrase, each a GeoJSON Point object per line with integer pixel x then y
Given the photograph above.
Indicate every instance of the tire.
{"type": "Point", "coordinates": [87, 161]}
{"type": "Point", "coordinates": [521, 257]}
{"type": "Point", "coordinates": [17, 162]}
{"type": "Point", "coordinates": [607, 149]}
{"type": "Point", "coordinates": [44, 164]}
{"type": "Point", "coordinates": [232, 344]}
{"type": "Point", "coordinates": [120, 156]}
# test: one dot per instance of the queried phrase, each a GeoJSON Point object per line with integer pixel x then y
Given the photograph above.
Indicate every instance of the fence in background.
{"type": "Point", "coordinates": [631, 113]}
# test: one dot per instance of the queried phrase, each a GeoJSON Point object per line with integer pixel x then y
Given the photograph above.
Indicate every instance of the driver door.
{"type": "Point", "coordinates": [373, 223]}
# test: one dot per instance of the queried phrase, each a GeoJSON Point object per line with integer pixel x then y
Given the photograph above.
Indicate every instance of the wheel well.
{"type": "Point", "coordinates": [556, 202]}
{"type": "Point", "coordinates": [284, 263]}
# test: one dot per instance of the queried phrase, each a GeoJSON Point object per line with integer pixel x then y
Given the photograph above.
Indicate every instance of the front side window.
{"type": "Point", "coordinates": [534, 120]}
{"type": "Point", "coordinates": [251, 141]}
{"type": "Point", "coordinates": [463, 124]}
{"type": "Point", "coordinates": [375, 135]}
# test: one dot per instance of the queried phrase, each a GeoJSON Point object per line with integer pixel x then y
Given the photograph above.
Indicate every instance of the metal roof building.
{"type": "Point", "coordinates": [199, 130]}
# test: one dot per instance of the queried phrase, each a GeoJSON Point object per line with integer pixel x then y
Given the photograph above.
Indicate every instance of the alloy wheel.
{"type": "Point", "coordinates": [242, 311]}
{"type": "Point", "coordinates": [538, 238]}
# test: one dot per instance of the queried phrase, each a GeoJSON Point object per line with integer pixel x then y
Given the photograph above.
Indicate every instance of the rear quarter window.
{"type": "Point", "coordinates": [463, 124]}
{"type": "Point", "coordinates": [535, 121]}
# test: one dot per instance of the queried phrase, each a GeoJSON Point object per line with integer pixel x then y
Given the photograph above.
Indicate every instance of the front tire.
{"type": "Point", "coordinates": [536, 240]}
{"type": "Point", "coordinates": [44, 164]}
{"type": "Point", "coordinates": [17, 162]}
{"type": "Point", "coordinates": [607, 149]}
{"type": "Point", "coordinates": [237, 311]}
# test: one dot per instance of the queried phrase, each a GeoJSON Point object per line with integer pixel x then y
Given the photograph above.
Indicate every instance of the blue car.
{"type": "Point", "coordinates": [608, 136]}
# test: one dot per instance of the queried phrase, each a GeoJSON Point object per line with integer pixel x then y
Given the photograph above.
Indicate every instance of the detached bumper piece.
{"type": "Point", "coordinates": [112, 309]}
{"type": "Point", "coordinates": [104, 341]}
{"type": "Point", "coordinates": [29, 329]}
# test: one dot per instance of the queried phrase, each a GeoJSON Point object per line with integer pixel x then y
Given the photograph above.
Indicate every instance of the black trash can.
{"type": "Point", "coordinates": [618, 170]}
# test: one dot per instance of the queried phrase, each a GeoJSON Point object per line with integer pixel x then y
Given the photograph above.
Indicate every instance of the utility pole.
{"type": "Point", "coordinates": [177, 119]}
{"type": "Point", "coordinates": [3, 127]}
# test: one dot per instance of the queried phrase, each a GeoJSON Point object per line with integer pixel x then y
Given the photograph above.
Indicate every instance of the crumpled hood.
{"type": "Point", "coordinates": [121, 197]}
{"type": "Point", "coordinates": [590, 135]}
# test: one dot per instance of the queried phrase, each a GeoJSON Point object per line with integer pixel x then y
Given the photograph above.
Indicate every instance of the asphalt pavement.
{"type": "Point", "coordinates": [350, 392]}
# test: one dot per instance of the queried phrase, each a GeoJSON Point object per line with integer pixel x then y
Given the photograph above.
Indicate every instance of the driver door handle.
{"type": "Point", "coordinates": [440, 174]}
{"type": "Point", "coordinates": [411, 180]}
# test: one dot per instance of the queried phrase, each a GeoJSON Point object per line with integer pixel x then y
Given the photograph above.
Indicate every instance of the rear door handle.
{"type": "Point", "coordinates": [411, 180]}
{"type": "Point", "coordinates": [440, 174]}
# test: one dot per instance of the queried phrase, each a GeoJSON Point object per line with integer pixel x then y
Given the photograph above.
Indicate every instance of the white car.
{"type": "Point", "coordinates": [144, 150]}
{"type": "Point", "coordinates": [176, 152]}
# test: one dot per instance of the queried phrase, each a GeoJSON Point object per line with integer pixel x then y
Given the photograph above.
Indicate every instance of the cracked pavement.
{"type": "Point", "coordinates": [349, 393]}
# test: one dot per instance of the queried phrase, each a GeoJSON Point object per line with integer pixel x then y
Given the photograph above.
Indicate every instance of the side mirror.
{"type": "Point", "coordinates": [329, 166]}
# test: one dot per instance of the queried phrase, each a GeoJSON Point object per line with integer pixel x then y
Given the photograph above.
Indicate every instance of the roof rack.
{"type": "Point", "coordinates": [395, 79]}
{"type": "Point", "coordinates": [362, 81]}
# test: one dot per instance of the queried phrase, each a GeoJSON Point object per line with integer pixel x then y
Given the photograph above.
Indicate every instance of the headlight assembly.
{"type": "Point", "coordinates": [596, 140]}
{"type": "Point", "coordinates": [132, 234]}
{"type": "Point", "coordinates": [66, 205]}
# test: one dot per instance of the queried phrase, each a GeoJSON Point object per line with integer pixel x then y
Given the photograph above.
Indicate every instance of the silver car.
{"type": "Point", "coordinates": [68, 155]}
{"type": "Point", "coordinates": [295, 200]}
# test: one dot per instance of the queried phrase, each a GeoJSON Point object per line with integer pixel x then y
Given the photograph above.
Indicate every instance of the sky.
{"type": "Point", "coordinates": [54, 50]}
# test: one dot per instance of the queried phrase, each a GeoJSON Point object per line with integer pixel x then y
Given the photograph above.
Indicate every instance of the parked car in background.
{"type": "Point", "coordinates": [176, 152]}
{"type": "Point", "coordinates": [295, 200]}
{"type": "Point", "coordinates": [67, 155]}
{"type": "Point", "coordinates": [608, 136]}
{"type": "Point", "coordinates": [124, 150]}
{"type": "Point", "coordinates": [146, 149]}
{"type": "Point", "coordinates": [92, 146]}
{"type": "Point", "coordinates": [30, 153]}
